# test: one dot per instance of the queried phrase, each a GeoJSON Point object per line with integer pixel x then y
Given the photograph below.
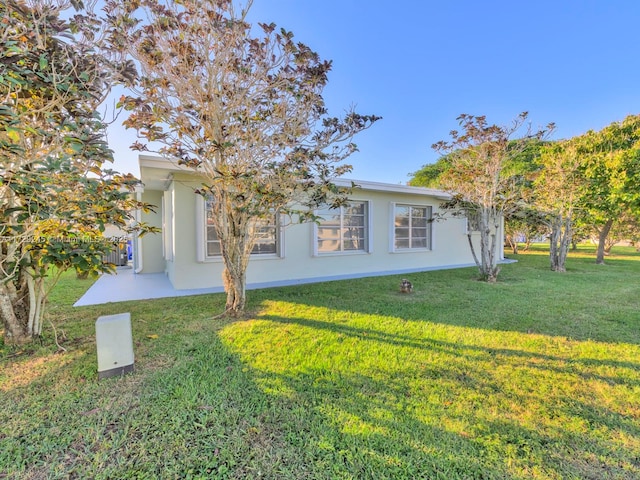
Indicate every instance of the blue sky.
{"type": "Point", "coordinates": [421, 63]}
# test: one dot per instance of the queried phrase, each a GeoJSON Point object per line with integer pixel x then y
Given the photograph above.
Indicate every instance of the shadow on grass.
{"type": "Point", "coordinates": [478, 412]}
{"type": "Point", "coordinates": [589, 302]}
{"type": "Point", "coordinates": [214, 399]}
{"type": "Point", "coordinates": [523, 357]}
{"type": "Point", "coordinates": [196, 409]}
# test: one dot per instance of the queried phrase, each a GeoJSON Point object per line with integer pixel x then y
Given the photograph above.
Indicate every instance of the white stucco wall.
{"type": "Point", "coordinates": [298, 263]}
{"type": "Point", "coordinates": [151, 244]}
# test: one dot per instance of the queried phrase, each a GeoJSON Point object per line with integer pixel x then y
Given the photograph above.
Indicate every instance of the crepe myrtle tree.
{"type": "Point", "coordinates": [523, 222]}
{"type": "Point", "coordinates": [559, 187]}
{"type": "Point", "coordinates": [55, 197]}
{"type": "Point", "coordinates": [483, 187]}
{"type": "Point", "coordinates": [241, 105]}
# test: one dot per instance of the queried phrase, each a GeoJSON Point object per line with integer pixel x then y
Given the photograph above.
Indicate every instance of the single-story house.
{"type": "Point", "coordinates": [385, 229]}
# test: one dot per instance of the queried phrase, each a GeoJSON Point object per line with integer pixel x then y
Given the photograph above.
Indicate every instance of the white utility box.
{"type": "Point", "coordinates": [114, 341]}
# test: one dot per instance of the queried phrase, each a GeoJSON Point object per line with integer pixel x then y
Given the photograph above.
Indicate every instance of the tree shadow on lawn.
{"type": "Point", "coordinates": [538, 303]}
{"type": "Point", "coordinates": [522, 357]}
{"type": "Point", "coordinates": [204, 412]}
{"type": "Point", "coordinates": [469, 404]}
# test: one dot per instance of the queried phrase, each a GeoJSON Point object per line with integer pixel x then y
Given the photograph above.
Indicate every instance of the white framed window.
{"type": "Point", "coordinates": [344, 229]}
{"type": "Point", "coordinates": [268, 235]}
{"type": "Point", "coordinates": [411, 227]}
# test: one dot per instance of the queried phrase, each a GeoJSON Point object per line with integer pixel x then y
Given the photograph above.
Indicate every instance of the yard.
{"type": "Point", "coordinates": [537, 376]}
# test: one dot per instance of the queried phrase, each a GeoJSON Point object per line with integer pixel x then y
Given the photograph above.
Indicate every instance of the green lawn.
{"type": "Point", "coordinates": [537, 376]}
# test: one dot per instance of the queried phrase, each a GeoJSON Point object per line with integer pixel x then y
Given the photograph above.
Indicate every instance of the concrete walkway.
{"type": "Point", "coordinates": [127, 285]}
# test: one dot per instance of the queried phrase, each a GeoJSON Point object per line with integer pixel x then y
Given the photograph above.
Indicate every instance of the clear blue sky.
{"type": "Point", "coordinates": [421, 63]}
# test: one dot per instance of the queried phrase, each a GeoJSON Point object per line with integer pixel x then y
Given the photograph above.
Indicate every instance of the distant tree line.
{"type": "Point", "coordinates": [240, 104]}
{"type": "Point", "coordinates": [585, 187]}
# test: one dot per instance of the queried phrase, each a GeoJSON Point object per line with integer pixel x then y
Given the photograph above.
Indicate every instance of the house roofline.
{"type": "Point", "coordinates": [162, 163]}
{"type": "Point", "coordinates": [391, 187]}
{"type": "Point", "coordinates": [169, 165]}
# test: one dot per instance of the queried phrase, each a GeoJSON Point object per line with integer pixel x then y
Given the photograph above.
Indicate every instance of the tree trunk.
{"type": "Point", "coordinates": [473, 252]}
{"type": "Point", "coordinates": [492, 269]}
{"type": "Point", "coordinates": [18, 316]}
{"type": "Point", "coordinates": [560, 241]}
{"type": "Point", "coordinates": [235, 253]}
{"type": "Point", "coordinates": [511, 240]}
{"type": "Point", "coordinates": [488, 241]}
{"type": "Point", "coordinates": [235, 286]}
{"type": "Point", "coordinates": [602, 239]}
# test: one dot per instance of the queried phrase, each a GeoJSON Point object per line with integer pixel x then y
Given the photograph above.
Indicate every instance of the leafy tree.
{"type": "Point", "coordinates": [627, 229]}
{"type": "Point", "coordinates": [524, 220]}
{"type": "Point", "coordinates": [429, 175]}
{"type": "Point", "coordinates": [623, 229]}
{"type": "Point", "coordinates": [55, 198]}
{"type": "Point", "coordinates": [527, 223]}
{"type": "Point", "coordinates": [485, 186]}
{"type": "Point", "coordinates": [246, 112]}
{"type": "Point", "coordinates": [559, 187]}
{"type": "Point", "coordinates": [611, 168]}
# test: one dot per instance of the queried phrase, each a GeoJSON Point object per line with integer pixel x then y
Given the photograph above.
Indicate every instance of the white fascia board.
{"type": "Point", "coordinates": [162, 163]}
{"type": "Point", "coordinates": [391, 187]}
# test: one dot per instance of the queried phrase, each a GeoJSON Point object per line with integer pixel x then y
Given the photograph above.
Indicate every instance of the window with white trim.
{"type": "Point", "coordinates": [266, 231]}
{"type": "Point", "coordinates": [412, 227]}
{"type": "Point", "coordinates": [344, 229]}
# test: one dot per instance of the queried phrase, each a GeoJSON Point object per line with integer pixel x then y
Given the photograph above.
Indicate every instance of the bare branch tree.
{"type": "Point", "coordinates": [246, 112]}
{"type": "Point", "coordinates": [483, 189]}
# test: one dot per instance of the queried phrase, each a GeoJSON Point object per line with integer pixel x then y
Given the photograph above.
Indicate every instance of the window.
{"type": "Point", "coordinates": [265, 230]}
{"type": "Point", "coordinates": [412, 227]}
{"type": "Point", "coordinates": [343, 229]}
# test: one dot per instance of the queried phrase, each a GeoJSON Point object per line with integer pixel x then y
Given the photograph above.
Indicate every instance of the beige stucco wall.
{"type": "Point", "coordinates": [449, 245]}
{"type": "Point", "coordinates": [151, 244]}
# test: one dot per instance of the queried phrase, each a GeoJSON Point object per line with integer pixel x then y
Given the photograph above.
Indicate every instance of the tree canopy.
{"type": "Point", "coordinates": [481, 173]}
{"type": "Point", "coordinates": [610, 165]}
{"type": "Point", "coordinates": [242, 106]}
{"type": "Point", "coordinates": [566, 188]}
{"type": "Point", "coordinates": [55, 196]}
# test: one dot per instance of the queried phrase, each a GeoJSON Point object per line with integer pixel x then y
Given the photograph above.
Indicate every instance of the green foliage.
{"type": "Point", "coordinates": [429, 175]}
{"type": "Point", "coordinates": [486, 171]}
{"type": "Point", "coordinates": [611, 170]}
{"type": "Point", "coordinates": [520, 166]}
{"type": "Point", "coordinates": [56, 197]}
{"type": "Point", "coordinates": [593, 179]}
{"type": "Point", "coordinates": [351, 379]}
{"type": "Point", "coordinates": [611, 167]}
{"type": "Point", "coordinates": [522, 163]}
{"type": "Point", "coordinates": [242, 106]}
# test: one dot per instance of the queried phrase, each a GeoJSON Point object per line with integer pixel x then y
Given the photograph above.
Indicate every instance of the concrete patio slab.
{"type": "Point", "coordinates": [127, 285]}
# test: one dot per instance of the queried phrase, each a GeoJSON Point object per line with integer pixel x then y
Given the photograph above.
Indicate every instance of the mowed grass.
{"type": "Point", "coordinates": [537, 376]}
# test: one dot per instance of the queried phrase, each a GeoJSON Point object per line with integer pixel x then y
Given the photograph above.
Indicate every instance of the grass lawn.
{"type": "Point", "coordinates": [537, 376]}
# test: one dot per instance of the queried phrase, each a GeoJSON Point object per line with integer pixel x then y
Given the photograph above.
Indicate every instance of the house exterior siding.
{"type": "Point", "coordinates": [152, 260]}
{"type": "Point", "coordinates": [182, 219]}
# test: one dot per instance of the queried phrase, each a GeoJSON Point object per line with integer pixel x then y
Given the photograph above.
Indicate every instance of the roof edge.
{"type": "Point", "coordinates": [164, 163]}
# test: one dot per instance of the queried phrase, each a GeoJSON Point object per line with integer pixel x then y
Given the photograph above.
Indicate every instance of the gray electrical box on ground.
{"type": "Point", "coordinates": [114, 342]}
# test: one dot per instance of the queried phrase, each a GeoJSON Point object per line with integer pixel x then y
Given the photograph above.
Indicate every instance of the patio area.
{"type": "Point", "coordinates": [127, 285]}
